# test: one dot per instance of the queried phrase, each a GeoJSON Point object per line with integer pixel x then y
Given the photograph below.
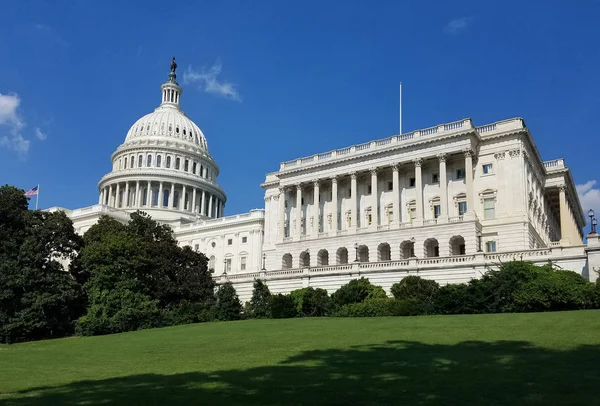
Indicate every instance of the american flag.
{"type": "Point", "coordinates": [32, 192]}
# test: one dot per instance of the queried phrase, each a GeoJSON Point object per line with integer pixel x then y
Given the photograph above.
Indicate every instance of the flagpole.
{"type": "Point", "coordinates": [37, 196]}
{"type": "Point", "coordinates": [400, 110]}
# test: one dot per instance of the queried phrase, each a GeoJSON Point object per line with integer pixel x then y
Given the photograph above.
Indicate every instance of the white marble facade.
{"type": "Point", "coordinates": [445, 202]}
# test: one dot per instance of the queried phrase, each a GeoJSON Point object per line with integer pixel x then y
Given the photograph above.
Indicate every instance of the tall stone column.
{"type": "Point", "coordinates": [443, 187]}
{"type": "Point", "coordinates": [126, 199]}
{"type": "Point", "coordinates": [160, 195]}
{"type": "Point", "coordinates": [210, 205]}
{"type": "Point", "coordinates": [203, 203]}
{"type": "Point", "coordinates": [194, 201]}
{"type": "Point", "coordinates": [564, 216]}
{"type": "Point", "coordinates": [101, 196]}
{"type": "Point", "coordinates": [172, 196]}
{"type": "Point", "coordinates": [469, 180]}
{"type": "Point", "coordinates": [354, 201]}
{"type": "Point", "coordinates": [137, 194]}
{"type": "Point", "coordinates": [110, 195]}
{"type": "Point", "coordinates": [419, 188]}
{"type": "Point", "coordinates": [282, 213]}
{"type": "Point", "coordinates": [397, 218]}
{"type": "Point", "coordinates": [298, 210]}
{"type": "Point", "coordinates": [183, 198]}
{"type": "Point", "coordinates": [334, 201]}
{"type": "Point", "coordinates": [315, 208]}
{"type": "Point", "coordinates": [149, 195]}
{"type": "Point", "coordinates": [374, 199]}
{"type": "Point", "coordinates": [117, 195]}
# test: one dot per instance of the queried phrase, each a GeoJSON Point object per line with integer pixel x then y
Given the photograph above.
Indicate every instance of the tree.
{"type": "Point", "coordinates": [311, 302]}
{"type": "Point", "coordinates": [415, 287]}
{"type": "Point", "coordinates": [260, 303]}
{"type": "Point", "coordinates": [228, 306]}
{"type": "Point", "coordinates": [38, 297]}
{"type": "Point", "coordinates": [283, 306]}
{"type": "Point", "coordinates": [356, 291]}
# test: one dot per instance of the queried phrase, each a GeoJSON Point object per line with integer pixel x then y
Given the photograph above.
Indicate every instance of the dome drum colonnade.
{"type": "Point", "coordinates": [164, 164]}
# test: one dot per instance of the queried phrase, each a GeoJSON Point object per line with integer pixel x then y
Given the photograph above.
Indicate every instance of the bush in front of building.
{"type": "Point", "coordinates": [260, 303]}
{"type": "Point", "coordinates": [380, 307]}
{"type": "Point", "coordinates": [356, 291]}
{"type": "Point", "coordinates": [283, 306]}
{"type": "Point", "coordinates": [414, 287]}
{"type": "Point", "coordinates": [311, 302]}
{"type": "Point", "coordinates": [228, 305]}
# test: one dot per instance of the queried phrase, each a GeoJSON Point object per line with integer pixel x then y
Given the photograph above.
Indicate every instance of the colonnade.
{"type": "Point", "coordinates": [397, 215]}
{"type": "Point", "coordinates": [143, 194]}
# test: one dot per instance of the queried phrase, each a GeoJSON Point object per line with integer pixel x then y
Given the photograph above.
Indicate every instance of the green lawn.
{"type": "Point", "coordinates": [505, 359]}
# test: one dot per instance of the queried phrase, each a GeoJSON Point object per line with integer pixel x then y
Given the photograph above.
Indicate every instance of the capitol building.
{"type": "Point", "coordinates": [445, 202]}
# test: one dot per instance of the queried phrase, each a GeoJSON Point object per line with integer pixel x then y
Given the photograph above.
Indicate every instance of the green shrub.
{"type": "Point", "coordinates": [379, 307]}
{"type": "Point", "coordinates": [260, 303]}
{"type": "Point", "coordinates": [356, 291]}
{"type": "Point", "coordinates": [415, 287]}
{"type": "Point", "coordinates": [311, 302]}
{"type": "Point", "coordinates": [228, 306]}
{"type": "Point", "coordinates": [453, 299]}
{"type": "Point", "coordinates": [283, 306]}
{"type": "Point", "coordinates": [187, 313]}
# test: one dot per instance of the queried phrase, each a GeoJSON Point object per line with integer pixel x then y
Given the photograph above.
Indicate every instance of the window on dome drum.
{"type": "Point", "coordinates": [140, 160]}
{"type": "Point", "coordinates": [229, 241]}
{"type": "Point", "coordinates": [411, 182]}
{"type": "Point", "coordinates": [186, 166]}
{"type": "Point", "coordinates": [166, 198]}
{"type": "Point", "coordinates": [177, 130]}
{"type": "Point", "coordinates": [149, 161]}
{"type": "Point", "coordinates": [120, 164]}
{"type": "Point", "coordinates": [490, 246]}
{"type": "Point", "coordinates": [462, 208]}
{"type": "Point", "coordinates": [435, 178]}
{"type": "Point", "coordinates": [194, 167]}
{"type": "Point", "coordinates": [177, 162]}
{"type": "Point", "coordinates": [176, 199]}
{"type": "Point", "coordinates": [132, 161]}
{"type": "Point", "coordinates": [168, 162]}
{"type": "Point", "coordinates": [184, 131]}
{"type": "Point", "coordinates": [244, 240]}
{"type": "Point", "coordinates": [201, 171]}
{"type": "Point", "coordinates": [145, 197]}
{"type": "Point", "coordinates": [460, 174]}
{"type": "Point", "coordinates": [158, 161]}
{"type": "Point", "coordinates": [243, 263]}
{"type": "Point", "coordinates": [489, 208]}
{"type": "Point", "coordinates": [487, 169]}
{"type": "Point", "coordinates": [155, 197]}
{"type": "Point", "coordinates": [125, 166]}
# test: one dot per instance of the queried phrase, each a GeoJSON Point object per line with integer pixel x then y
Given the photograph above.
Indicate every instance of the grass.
{"type": "Point", "coordinates": [503, 359]}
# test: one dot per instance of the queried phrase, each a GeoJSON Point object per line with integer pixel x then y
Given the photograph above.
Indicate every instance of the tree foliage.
{"type": "Point", "coordinates": [311, 302]}
{"type": "Point", "coordinates": [283, 306]}
{"type": "Point", "coordinates": [356, 291]}
{"type": "Point", "coordinates": [260, 303]}
{"type": "Point", "coordinates": [415, 287]}
{"type": "Point", "coordinates": [228, 306]}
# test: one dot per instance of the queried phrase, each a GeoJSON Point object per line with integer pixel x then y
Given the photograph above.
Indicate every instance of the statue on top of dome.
{"type": "Point", "coordinates": [173, 65]}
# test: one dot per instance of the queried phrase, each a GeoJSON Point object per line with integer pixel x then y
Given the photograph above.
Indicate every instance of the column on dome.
{"type": "Point", "coordinates": [469, 180]}
{"type": "Point", "coordinates": [137, 193]}
{"type": "Point", "coordinates": [203, 203]}
{"type": "Point", "coordinates": [419, 188]}
{"type": "Point", "coordinates": [210, 205]}
{"type": "Point", "coordinates": [126, 196]}
{"type": "Point", "coordinates": [172, 196]}
{"type": "Point", "coordinates": [100, 196]}
{"type": "Point", "coordinates": [160, 195]}
{"type": "Point", "coordinates": [315, 208]}
{"type": "Point", "coordinates": [110, 195]}
{"type": "Point", "coordinates": [298, 220]}
{"type": "Point", "coordinates": [443, 186]}
{"type": "Point", "coordinates": [184, 198]}
{"type": "Point", "coordinates": [281, 213]}
{"type": "Point", "coordinates": [222, 209]}
{"type": "Point", "coordinates": [396, 217]}
{"type": "Point", "coordinates": [118, 196]}
{"type": "Point", "coordinates": [353, 201]}
{"type": "Point", "coordinates": [148, 195]}
{"type": "Point", "coordinates": [374, 199]}
{"type": "Point", "coordinates": [194, 201]}
{"type": "Point", "coordinates": [334, 203]}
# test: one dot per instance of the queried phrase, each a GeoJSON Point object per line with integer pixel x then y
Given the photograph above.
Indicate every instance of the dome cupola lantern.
{"type": "Point", "coordinates": [171, 92]}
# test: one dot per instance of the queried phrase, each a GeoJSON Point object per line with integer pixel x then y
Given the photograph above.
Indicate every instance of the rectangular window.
{"type": "Point", "coordinates": [435, 178]}
{"type": "Point", "coordinates": [411, 182]}
{"type": "Point", "coordinates": [437, 210]}
{"type": "Point", "coordinates": [487, 169]}
{"type": "Point", "coordinates": [413, 213]}
{"type": "Point", "coordinates": [490, 246]}
{"type": "Point", "coordinates": [230, 242]}
{"type": "Point", "coordinates": [462, 208]}
{"type": "Point", "coordinates": [244, 240]}
{"type": "Point", "coordinates": [390, 186]}
{"type": "Point", "coordinates": [460, 174]}
{"type": "Point", "coordinates": [227, 264]}
{"type": "Point", "coordinates": [489, 208]}
{"type": "Point", "coordinates": [369, 189]}
{"type": "Point", "coordinates": [243, 263]}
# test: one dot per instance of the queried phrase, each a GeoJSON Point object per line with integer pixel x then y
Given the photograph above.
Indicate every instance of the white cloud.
{"type": "Point", "coordinates": [207, 80]}
{"type": "Point", "coordinates": [40, 134]}
{"type": "Point", "coordinates": [457, 25]}
{"type": "Point", "coordinates": [11, 120]}
{"type": "Point", "coordinates": [589, 196]}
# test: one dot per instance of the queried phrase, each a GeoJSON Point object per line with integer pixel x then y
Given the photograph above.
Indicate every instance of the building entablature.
{"type": "Point", "coordinates": [254, 217]}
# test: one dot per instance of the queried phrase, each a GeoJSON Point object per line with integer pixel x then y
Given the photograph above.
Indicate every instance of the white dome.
{"type": "Point", "coordinates": [167, 121]}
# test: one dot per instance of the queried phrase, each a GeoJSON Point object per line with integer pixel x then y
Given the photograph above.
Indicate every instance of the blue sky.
{"type": "Point", "coordinates": [280, 80]}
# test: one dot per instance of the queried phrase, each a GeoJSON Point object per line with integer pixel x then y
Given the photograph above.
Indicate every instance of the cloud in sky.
{"type": "Point", "coordinates": [40, 134]}
{"type": "Point", "coordinates": [589, 196]}
{"type": "Point", "coordinates": [11, 124]}
{"type": "Point", "coordinates": [457, 25]}
{"type": "Point", "coordinates": [208, 81]}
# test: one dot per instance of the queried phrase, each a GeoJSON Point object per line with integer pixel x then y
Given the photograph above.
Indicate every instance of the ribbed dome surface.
{"type": "Point", "coordinates": [167, 121]}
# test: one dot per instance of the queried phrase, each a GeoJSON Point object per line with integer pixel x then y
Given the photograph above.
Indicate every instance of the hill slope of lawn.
{"type": "Point", "coordinates": [498, 359]}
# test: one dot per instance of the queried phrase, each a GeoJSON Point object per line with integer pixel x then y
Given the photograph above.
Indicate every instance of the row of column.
{"type": "Point", "coordinates": [397, 217]}
{"type": "Point", "coordinates": [569, 231]}
{"type": "Point", "coordinates": [208, 205]}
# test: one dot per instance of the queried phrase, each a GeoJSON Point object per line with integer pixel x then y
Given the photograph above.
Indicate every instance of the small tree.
{"type": "Point", "coordinates": [228, 306]}
{"type": "Point", "coordinates": [311, 302]}
{"type": "Point", "coordinates": [356, 291]}
{"type": "Point", "coordinates": [283, 306]}
{"type": "Point", "coordinates": [415, 287]}
{"type": "Point", "coordinates": [260, 304]}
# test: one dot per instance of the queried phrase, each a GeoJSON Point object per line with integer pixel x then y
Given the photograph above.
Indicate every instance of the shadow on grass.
{"type": "Point", "coordinates": [396, 372]}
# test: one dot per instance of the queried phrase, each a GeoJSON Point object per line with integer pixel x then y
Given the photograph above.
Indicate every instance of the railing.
{"type": "Point", "coordinates": [447, 260]}
{"type": "Point", "coordinates": [517, 255]}
{"type": "Point", "coordinates": [362, 147]}
{"type": "Point", "coordinates": [554, 244]}
{"type": "Point", "coordinates": [343, 151]}
{"type": "Point", "coordinates": [383, 227]}
{"type": "Point", "coordinates": [456, 219]}
{"type": "Point", "coordinates": [486, 128]}
{"type": "Point", "coordinates": [453, 126]}
{"type": "Point", "coordinates": [324, 155]}
{"type": "Point", "coordinates": [429, 222]}
{"type": "Point", "coordinates": [384, 141]}
{"type": "Point", "coordinates": [555, 164]}
{"type": "Point", "coordinates": [406, 225]}
{"type": "Point", "coordinates": [429, 131]}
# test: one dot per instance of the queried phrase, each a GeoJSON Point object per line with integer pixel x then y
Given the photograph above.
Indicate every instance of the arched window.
{"type": "Point", "coordinates": [363, 253]}
{"type": "Point", "coordinates": [322, 258]}
{"type": "Point", "coordinates": [184, 131]}
{"type": "Point", "coordinates": [201, 170]}
{"type": "Point", "coordinates": [155, 197]}
{"type": "Point", "coordinates": [145, 197]}
{"type": "Point", "coordinates": [186, 201]}
{"type": "Point", "coordinates": [177, 129]}
{"type": "Point", "coordinates": [132, 161]}
{"type": "Point", "coordinates": [186, 166]}
{"type": "Point", "coordinates": [120, 164]}
{"type": "Point", "coordinates": [140, 161]}
{"type": "Point", "coordinates": [149, 161]}
{"type": "Point", "coordinates": [407, 249]}
{"type": "Point", "coordinates": [166, 197]}
{"type": "Point", "coordinates": [194, 168]}
{"type": "Point", "coordinates": [286, 261]}
{"type": "Point", "coordinates": [125, 166]}
{"type": "Point", "coordinates": [384, 252]}
{"type": "Point", "coordinates": [457, 245]}
{"type": "Point", "coordinates": [431, 248]}
{"type": "Point", "coordinates": [341, 256]}
{"type": "Point", "coordinates": [304, 259]}
{"type": "Point", "coordinates": [158, 161]}
{"type": "Point", "coordinates": [176, 199]}
{"type": "Point", "coordinates": [168, 162]}
{"type": "Point", "coordinates": [177, 163]}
